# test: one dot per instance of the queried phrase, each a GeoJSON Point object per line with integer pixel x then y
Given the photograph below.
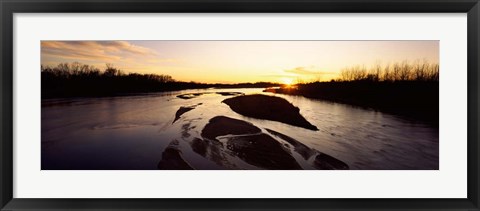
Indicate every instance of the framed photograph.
{"type": "Point", "coordinates": [239, 105]}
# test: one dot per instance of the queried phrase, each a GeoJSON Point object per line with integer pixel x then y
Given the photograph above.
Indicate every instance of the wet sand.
{"type": "Point", "coordinates": [225, 137]}
{"type": "Point", "coordinates": [172, 160]}
{"type": "Point", "coordinates": [222, 125]}
{"type": "Point", "coordinates": [269, 108]}
{"type": "Point", "coordinates": [184, 109]}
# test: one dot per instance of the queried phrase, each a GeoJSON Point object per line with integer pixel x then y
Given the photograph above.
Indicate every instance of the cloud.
{"type": "Point", "coordinates": [301, 71]}
{"type": "Point", "coordinates": [307, 71]}
{"type": "Point", "coordinates": [104, 51]}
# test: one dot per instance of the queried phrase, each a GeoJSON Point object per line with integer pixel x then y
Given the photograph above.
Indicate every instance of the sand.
{"type": "Point", "coordinates": [270, 108]}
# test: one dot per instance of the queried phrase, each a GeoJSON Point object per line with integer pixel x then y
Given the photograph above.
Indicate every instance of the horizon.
{"type": "Point", "coordinates": [232, 62]}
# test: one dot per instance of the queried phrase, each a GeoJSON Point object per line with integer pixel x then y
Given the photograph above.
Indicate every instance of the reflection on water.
{"type": "Point", "coordinates": [154, 132]}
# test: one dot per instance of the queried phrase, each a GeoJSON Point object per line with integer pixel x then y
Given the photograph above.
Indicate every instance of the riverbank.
{"type": "Point", "coordinates": [77, 80]}
{"type": "Point", "coordinates": [418, 100]}
{"type": "Point", "coordinates": [73, 89]}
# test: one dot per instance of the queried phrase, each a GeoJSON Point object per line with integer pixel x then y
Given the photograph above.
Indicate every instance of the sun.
{"type": "Point", "coordinates": [287, 81]}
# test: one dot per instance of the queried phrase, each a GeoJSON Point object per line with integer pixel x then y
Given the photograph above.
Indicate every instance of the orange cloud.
{"type": "Point", "coordinates": [105, 51]}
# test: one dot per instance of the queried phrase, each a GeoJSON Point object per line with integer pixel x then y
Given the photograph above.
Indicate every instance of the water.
{"type": "Point", "coordinates": [132, 132]}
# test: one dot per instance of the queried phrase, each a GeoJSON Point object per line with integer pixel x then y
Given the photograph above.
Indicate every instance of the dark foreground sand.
{"type": "Point", "coordinates": [224, 137]}
{"type": "Point", "coordinates": [269, 108]}
{"type": "Point", "coordinates": [172, 159]}
{"type": "Point", "coordinates": [184, 109]}
{"type": "Point", "coordinates": [249, 143]}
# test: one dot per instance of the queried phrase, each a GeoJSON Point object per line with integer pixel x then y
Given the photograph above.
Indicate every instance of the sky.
{"type": "Point", "coordinates": [238, 61]}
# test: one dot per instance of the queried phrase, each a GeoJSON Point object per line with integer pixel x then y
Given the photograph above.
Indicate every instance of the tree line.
{"type": "Point", "coordinates": [405, 88]}
{"type": "Point", "coordinates": [77, 70]}
{"type": "Point", "coordinates": [403, 71]}
{"type": "Point", "coordinates": [81, 80]}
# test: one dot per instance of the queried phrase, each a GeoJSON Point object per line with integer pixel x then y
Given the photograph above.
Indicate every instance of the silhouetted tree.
{"type": "Point", "coordinates": [76, 80]}
{"type": "Point", "coordinates": [405, 71]}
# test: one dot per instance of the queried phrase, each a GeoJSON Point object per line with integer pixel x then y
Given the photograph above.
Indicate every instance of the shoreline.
{"type": "Point", "coordinates": [123, 94]}
{"type": "Point", "coordinates": [411, 99]}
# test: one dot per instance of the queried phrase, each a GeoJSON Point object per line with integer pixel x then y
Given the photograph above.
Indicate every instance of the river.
{"type": "Point", "coordinates": [132, 132]}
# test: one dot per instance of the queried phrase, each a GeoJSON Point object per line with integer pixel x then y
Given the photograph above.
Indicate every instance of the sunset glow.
{"type": "Point", "coordinates": [285, 62]}
{"type": "Point", "coordinates": [287, 81]}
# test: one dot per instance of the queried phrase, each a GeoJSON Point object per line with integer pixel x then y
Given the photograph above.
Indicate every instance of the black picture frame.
{"type": "Point", "coordinates": [10, 7]}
